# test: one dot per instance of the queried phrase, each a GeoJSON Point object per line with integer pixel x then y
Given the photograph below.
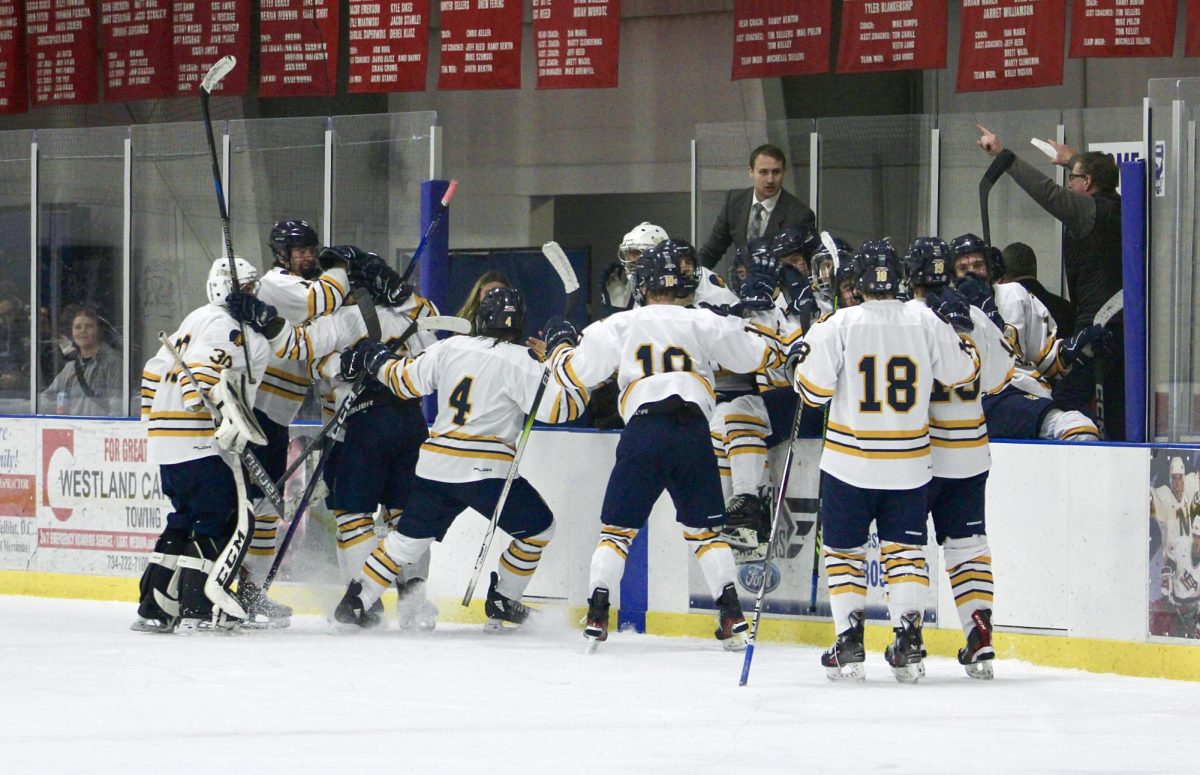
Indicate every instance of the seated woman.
{"type": "Point", "coordinates": [90, 383]}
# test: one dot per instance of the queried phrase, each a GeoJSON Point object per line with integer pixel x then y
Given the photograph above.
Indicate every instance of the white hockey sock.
{"type": "Point", "coordinates": [718, 444]}
{"type": "Point", "coordinates": [519, 561]}
{"type": "Point", "coordinates": [355, 540]}
{"type": "Point", "coordinates": [416, 570]}
{"type": "Point", "coordinates": [969, 563]}
{"type": "Point", "coordinates": [714, 556]}
{"type": "Point", "coordinates": [383, 564]}
{"type": "Point", "coordinates": [261, 553]}
{"type": "Point", "coordinates": [907, 579]}
{"type": "Point", "coordinates": [847, 583]}
{"type": "Point", "coordinates": [746, 450]}
{"type": "Point", "coordinates": [608, 561]}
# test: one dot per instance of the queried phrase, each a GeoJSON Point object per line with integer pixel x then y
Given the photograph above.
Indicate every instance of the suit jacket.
{"type": "Point", "coordinates": [730, 227]}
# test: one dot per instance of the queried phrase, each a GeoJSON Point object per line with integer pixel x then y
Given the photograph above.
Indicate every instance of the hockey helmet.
{"type": "Point", "coordinates": [640, 239]}
{"type": "Point", "coordinates": [927, 263]}
{"type": "Point", "coordinates": [220, 279]}
{"type": "Point", "coordinates": [964, 246]}
{"type": "Point", "coordinates": [661, 267]}
{"type": "Point", "coordinates": [845, 282]}
{"type": "Point", "coordinates": [795, 240]}
{"type": "Point", "coordinates": [878, 268]}
{"type": "Point", "coordinates": [501, 314]}
{"type": "Point", "coordinates": [825, 266]}
{"type": "Point", "coordinates": [290, 233]}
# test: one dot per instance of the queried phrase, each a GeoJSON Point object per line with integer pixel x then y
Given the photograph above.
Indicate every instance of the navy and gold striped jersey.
{"type": "Point", "coordinates": [1030, 330]}
{"type": "Point", "coordinates": [875, 364]}
{"type": "Point", "coordinates": [209, 340]}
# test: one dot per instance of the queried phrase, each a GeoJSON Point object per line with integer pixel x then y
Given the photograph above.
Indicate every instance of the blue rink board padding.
{"type": "Point", "coordinates": [1133, 261]}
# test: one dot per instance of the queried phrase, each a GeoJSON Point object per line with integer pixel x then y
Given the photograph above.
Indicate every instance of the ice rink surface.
{"type": "Point", "coordinates": [81, 693]}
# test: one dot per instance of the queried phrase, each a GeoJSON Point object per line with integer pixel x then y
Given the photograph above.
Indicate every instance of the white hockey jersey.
{"type": "Point", "coordinates": [660, 351]}
{"type": "Point", "coordinates": [1174, 515]}
{"type": "Point", "coordinates": [484, 388]}
{"type": "Point", "coordinates": [876, 363]}
{"type": "Point", "coordinates": [1031, 331]}
{"type": "Point", "coordinates": [1181, 558]}
{"type": "Point", "coordinates": [958, 434]}
{"type": "Point", "coordinates": [209, 340]}
{"type": "Point", "coordinates": [285, 383]}
{"type": "Point", "coordinates": [781, 332]}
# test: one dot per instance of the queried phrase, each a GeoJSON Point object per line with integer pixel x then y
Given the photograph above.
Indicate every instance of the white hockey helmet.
{"type": "Point", "coordinates": [220, 279]}
{"type": "Point", "coordinates": [1176, 466]}
{"type": "Point", "coordinates": [643, 237]}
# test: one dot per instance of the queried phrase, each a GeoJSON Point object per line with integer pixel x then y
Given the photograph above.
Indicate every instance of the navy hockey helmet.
{"type": "Point", "coordinates": [962, 251]}
{"type": "Point", "coordinates": [759, 258]}
{"type": "Point", "coordinates": [795, 240]}
{"type": "Point", "coordinates": [845, 280]}
{"type": "Point", "coordinates": [879, 268]}
{"type": "Point", "coordinates": [927, 263]}
{"type": "Point", "coordinates": [501, 314]}
{"type": "Point", "coordinates": [290, 233]}
{"type": "Point", "coordinates": [661, 268]}
{"type": "Point", "coordinates": [995, 259]}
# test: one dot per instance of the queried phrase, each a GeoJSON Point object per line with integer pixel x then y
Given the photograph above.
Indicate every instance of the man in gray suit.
{"type": "Point", "coordinates": [760, 211]}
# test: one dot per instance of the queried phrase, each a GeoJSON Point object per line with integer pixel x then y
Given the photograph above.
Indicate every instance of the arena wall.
{"type": "Point", "coordinates": [80, 507]}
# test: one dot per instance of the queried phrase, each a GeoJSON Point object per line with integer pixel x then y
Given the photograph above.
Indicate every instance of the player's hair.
{"type": "Point", "coordinates": [1101, 168]}
{"type": "Point", "coordinates": [470, 307]}
{"type": "Point", "coordinates": [766, 149]}
{"type": "Point", "coordinates": [1020, 261]}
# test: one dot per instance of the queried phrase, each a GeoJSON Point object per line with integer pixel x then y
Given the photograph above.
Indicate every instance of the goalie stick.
{"type": "Point", "coordinates": [562, 265]}
{"type": "Point", "coordinates": [762, 589]}
{"type": "Point", "coordinates": [218, 71]}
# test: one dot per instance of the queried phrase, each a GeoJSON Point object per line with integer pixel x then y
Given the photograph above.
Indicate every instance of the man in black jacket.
{"type": "Point", "coordinates": [759, 211]}
{"type": "Point", "coordinates": [1020, 266]}
{"type": "Point", "coordinates": [1089, 208]}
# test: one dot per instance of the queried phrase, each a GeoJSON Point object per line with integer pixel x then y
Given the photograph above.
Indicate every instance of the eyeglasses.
{"type": "Point", "coordinates": [1075, 175]}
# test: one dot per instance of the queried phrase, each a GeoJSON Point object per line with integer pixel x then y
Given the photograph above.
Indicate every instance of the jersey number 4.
{"type": "Point", "coordinates": [673, 359]}
{"type": "Point", "coordinates": [460, 400]}
{"type": "Point", "coordinates": [901, 390]}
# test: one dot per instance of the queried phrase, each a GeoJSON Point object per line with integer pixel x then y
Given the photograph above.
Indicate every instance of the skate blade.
{"type": "Point", "coordinates": [267, 624]}
{"type": "Point", "coordinates": [500, 626]}
{"type": "Point", "coordinates": [152, 626]}
{"type": "Point", "coordinates": [853, 672]}
{"type": "Point", "coordinates": [909, 674]}
{"type": "Point", "coordinates": [981, 671]}
{"type": "Point", "coordinates": [188, 628]}
{"type": "Point", "coordinates": [591, 646]}
{"type": "Point", "coordinates": [736, 643]}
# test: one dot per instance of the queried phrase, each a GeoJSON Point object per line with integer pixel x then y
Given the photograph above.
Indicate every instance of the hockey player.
{"type": "Point", "coordinates": [825, 266]}
{"type": "Point", "coordinates": [1177, 613]}
{"type": "Point", "coordinates": [183, 441]}
{"type": "Point", "coordinates": [875, 364]}
{"type": "Point", "coordinates": [664, 355]}
{"type": "Point", "coordinates": [485, 384]}
{"type": "Point", "coordinates": [1172, 505]}
{"type": "Point", "coordinates": [620, 289]}
{"type": "Point", "coordinates": [959, 452]}
{"type": "Point", "coordinates": [1025, 409]}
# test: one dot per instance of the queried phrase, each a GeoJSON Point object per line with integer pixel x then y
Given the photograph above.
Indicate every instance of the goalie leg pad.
{"type": "Point", "coordinates": [158, 588]}
{"type": "Point", "coordinates": [194, 565]}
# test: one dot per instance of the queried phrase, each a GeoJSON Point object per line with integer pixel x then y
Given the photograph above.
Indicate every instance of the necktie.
{"type": "Point", "coordinates": [756, 223]}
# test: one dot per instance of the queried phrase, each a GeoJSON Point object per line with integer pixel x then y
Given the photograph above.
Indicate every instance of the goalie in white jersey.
{"type": "Point", "coordinates": [182, 440]}
{"type": "Point", "coordinates": [485, 384]}
{"type": "Point", "coordinates": [875, 364]}
{"type": "Point", "coordinates": [958, 436]}
{"type": "Point", "coordinates": [664, 355]}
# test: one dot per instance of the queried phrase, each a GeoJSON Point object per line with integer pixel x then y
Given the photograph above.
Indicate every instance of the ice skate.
{"type": "Point", "coordinates": [732, 626]}
{"type": "Point", "coordinates": [976, 657]}
{"type": "Point", "coordinates": [192, 625]}
{"type": "Point", "coordinates": [414, 612]}
{"type": "Point", "coordinates": [351, 615]}
{"type": "Point", "coordinates": [844, 660]}
{"type": "Point", "coordinates": [164, 626]}
{"type": "Point", "coordinates": [747, 528]}
{"type": "Point", "coordinates": [263, 613]}
{"type": "Point", "coordinates": [595, 628]}
{"type": "Point", "coordinates": [904, 653]}
{"type": "Point", "coordinates": [502, 613]}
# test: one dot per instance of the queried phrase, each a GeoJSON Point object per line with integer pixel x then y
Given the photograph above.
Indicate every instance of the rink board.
{"type": "Point", "coordinates": [80, 506]}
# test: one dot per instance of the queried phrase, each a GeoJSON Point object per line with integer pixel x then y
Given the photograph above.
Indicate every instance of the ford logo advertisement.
{"type": "Point", "coordinates": [751, 576]}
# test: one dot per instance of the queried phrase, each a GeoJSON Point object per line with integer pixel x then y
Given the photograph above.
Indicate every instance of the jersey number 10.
{"type": "Point", "coordinates": [673, 359]}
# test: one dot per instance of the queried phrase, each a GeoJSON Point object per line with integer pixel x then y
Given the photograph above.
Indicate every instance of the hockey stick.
{"type": "Point", "coordinates": [1104, 316]}
{"type": "Point", "coordinates": [816, 572]}
{"type": "Point", "coordinates": [997, 168]}
{"type": "Point", "coordinates": [762, 589]}
{"type": "Point", "coordinates": [437, 218]}
{"type": "Point", "coordinates": [558, 259]}
{"type": "Point", "coordinates": [219, 70]}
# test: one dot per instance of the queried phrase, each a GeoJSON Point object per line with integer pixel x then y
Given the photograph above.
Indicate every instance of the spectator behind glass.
{"type": "Point", "coordinates": [493, 278]}
{"type": "Point", "coordinates": [90, 383]}
{"type": "Point", "coordinates": [1020, 266]}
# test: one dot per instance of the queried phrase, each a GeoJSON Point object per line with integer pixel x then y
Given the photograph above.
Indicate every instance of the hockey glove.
{"type": "Point", "coordinates": [236, 424]}
{"type": "Point", "coordinates": [724, 310]}
{"type": "Point", "coordinates": [795, 356]}
{"type": "Point", "coordinates": [1078, 347]}
{"type": "Point", "coordinates": [978, 293]}
{"type": "Point", "coordinates": [347, 257]}
{"type": "Point", "coordinates": [803, 305]}
{"type": "Point", "coordinates": [757, 293]}
{"type": "Point", "coordinates": [384, 284]}
{"type": "Point", "coordinates": [365, 357]}
{"type": "Point", "coordinates": [254, 312]}
{"type": "Point", "coordinates": [559, 331]}
{"type": "Point", "coordinates": [952, 307]}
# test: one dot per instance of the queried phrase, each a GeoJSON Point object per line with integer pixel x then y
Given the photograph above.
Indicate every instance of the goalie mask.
{"type": "Point", "coordinates": [927, 263]}
{"type": "Point", "coordinates": [220, 279]}
{"type": "Point", "coordinates": [501, 314]}
{"type": "Point", "coordinates": [291, 234]}
{"type": "Point", "coordinates": [640, 239]}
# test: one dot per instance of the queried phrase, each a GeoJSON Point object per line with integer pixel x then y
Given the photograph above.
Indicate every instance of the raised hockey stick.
{"type": "Point", "coordinates": [1001, 163]}
{"type": "Point", "coordinates": [437, 218]}
{"type": "Point", "coordinates": [762, 589]}
{"type": "Point", "coordinates": [558, 259]}
{"type": "Point", "coordinates": [218, 71]}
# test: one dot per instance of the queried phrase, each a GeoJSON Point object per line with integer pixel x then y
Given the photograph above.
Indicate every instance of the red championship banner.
{"type": "Point", "coordinates": [13, 98]}
{"type": "Point", "coordinates": [481, 44]}
{"type": "Point", "coordinates": [137, 49]}
{"type": "Point", "coordinates": [1010, 44]}
{"type": "Point", "coordinates": [298, 41]}
{"type": "Point", "coordinates": [202, 32]}
{"type": "Point", "coordinates": [389, 46]}
{"type": "Point", "coordinates": [578, 43]}
{"type": "Point", "coordinates": [882, 35]}
{"type": "Point", "coordinates": [779, 37]}
{"type": "Point", "coordinates": [1191, 45]}
{"type": "Point", "coordinates": [1123, 28]}
{"type": "Point", "coordinates": [60, 45]}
